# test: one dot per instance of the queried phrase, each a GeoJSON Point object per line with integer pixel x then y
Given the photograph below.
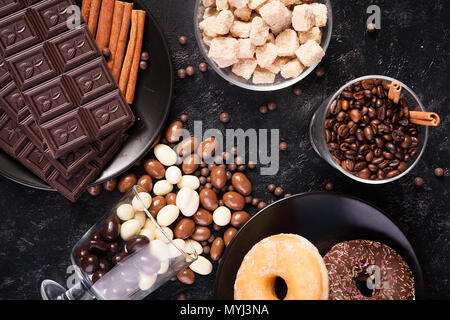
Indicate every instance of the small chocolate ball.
{"type": "Point", "coordinates": [438, 172]}
{"type": "Point", "coordinates": [283, 146]}
{"type": "Point", "coordinates": [263, 109]}
{"type": "Point", "coordinates": [320, 72]}
{"type": "Point", "coordinates": [371, 27]}
{"type": "Point", "coordinates": [261, 205]}
{"type": "Point", "coordinates": [110, 185]}
{"type": "Point", "coordinates": [271, 187]}
{"type": "Point", "coordinates": [251, 165]}
{"type": "Point", "coordinates": [184, 118]}
{"type": "Point", "coordinates": [190, 71]}
{"type": "Point", "coordinates": [143, 65]}
{"type": "Point", "coordinates": [106, 53]}
{"type": "Point", "coordinates": [95, 190]}
{"type": "Point", "coordinates": [297, 91]}
{"type": "Point", "coordinates": [329, 186]}
{"type": "Point", "coordinates": [182, 296]}
{"type": "Point", "coordinates": [224, 117]}
{"type": "Point", "coordinates": [145, 56]}
{"type": "Point", "coordinates": [248, 199]}
{"type": "Point", "coordinates": [271, 106]}
{"type": "Point", "coordinates": [181, 73]}
{"type": "Point", "coordinates": [203, 67]}
{"type": "Point", "coordinates": [418, 181]}
{"type": "Point", "coordinates": [255, 202]}
{"type": "Point", "coordinates": [278, 191]}
{"type": "Point", "coordinates": [182, 40]}
{"type": "Point", "coordinates": [241, 167]}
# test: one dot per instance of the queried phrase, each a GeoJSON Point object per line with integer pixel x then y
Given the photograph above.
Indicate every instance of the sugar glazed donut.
{"type": "Point", "coordinates": [376, 266]}
{"type": "Point", "coordinates": [289, 256]}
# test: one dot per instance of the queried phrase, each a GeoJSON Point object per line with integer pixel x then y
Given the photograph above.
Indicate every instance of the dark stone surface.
{"type": "Point", "coordinates": [39, 228]}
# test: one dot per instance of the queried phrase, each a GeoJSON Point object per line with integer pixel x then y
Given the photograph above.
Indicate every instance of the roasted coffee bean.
{"type": "Point", "coordinates": [348, 165]}
{"type": "Point", "coordinates": [372, 167]}
{"type": "Point", "coordinates": [360, 166]}
{"type": "Point", "coordinates": [343, 131]}
{"type": "Point", "coordinates": [335, 107]}
{"type": "Point", "coordinates": [368, 133]}
{"type": "Point", "coordinates": [341, 116]}
{"type": "Point", "coordinates": [402, 166]}
{"type": "Point", "coordinates": [392, 174]}
{"type": "Point", "coordinates": [364, 173]}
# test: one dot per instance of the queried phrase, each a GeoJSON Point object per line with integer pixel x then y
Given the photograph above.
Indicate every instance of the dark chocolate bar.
{"type": "Point", "coordinates": [61, 112]}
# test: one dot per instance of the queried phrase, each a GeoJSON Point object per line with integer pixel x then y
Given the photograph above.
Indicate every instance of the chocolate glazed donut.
{"type": "Point", "coordinates": [367, 270]}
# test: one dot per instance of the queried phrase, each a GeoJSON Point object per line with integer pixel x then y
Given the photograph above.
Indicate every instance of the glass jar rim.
{"type": "Point", "coordinates": [254, 87]}
{"type": "Point", "coordinates": [425, 128]}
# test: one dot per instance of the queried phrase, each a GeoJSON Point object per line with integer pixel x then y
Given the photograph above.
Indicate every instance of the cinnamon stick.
{"type": "Point", "coordinates": [105, 23]}
{"type": "Point", "coordinates": [122, 42]}
{"type": "Point", "coordinates": [394, 91]}
{"type": "Point", "coordinates": [115, 30]}
{"type": "Point", "coordinates": [126, 66]}
{"type": "Point", "coordinates": [131, 86]}
{"type": "Point", "coordinates": [85, 8]}
{"type": "Point", "coordinates": [93, 16]}
{"type": "Point", "coordinates": [424, 118]}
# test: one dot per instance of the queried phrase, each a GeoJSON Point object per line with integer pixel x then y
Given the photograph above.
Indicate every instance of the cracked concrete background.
{"type": "Point", "coordinates": [39, 228]}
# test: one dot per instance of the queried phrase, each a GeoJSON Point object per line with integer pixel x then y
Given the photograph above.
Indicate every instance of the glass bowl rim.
{"type": "Point", "coordinates": [254, 87]}
{"type": "Point", "coordinates": [425, 128]}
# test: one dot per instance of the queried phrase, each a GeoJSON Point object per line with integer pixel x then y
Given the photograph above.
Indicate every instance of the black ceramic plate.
{"type": "Point", "coordinates": [323, 218]}
{"type": "Point", "coordinates": [151, 107]}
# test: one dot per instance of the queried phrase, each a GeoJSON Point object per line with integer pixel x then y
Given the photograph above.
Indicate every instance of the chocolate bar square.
{"type": "Point", "coordinates": [107, 113]}
{"type": "Point", "coordinates": [91, 80]}
{"type": "Point", "coordinates": [66, 133]}
{"type": "Point", "coordinates": [13, 102]}
{"type": "Point", "coordinates": [50, 100]}
{"type": "Point", "coordinates": [4, 74]}
{"type": "Point", "coordinates": [35, 160]}
{"type": "Point", "coordinates": [74, 48]}
{"type": "Point", "coordinates": [32, 66]}
{"type": "Point", "coordinates": [53, 16]}
{"type": "Point", "coordinates": [30, 128]}
{"type": "Point", "coordinates": [17, 32]}
{"type": "Point", "coordinates": [72, 188]}
{"type": "Point", "coordinates": [12, 139]}
{"type": "Point", "coordinates": [10, 6]}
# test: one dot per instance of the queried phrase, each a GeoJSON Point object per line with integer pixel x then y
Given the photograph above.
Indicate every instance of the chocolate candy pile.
{"type": "Point", "coordinates": [192, 194]}
{"type": "Point", "coordinates": [368, 134]}
{"type": "Point", "coordinates": [61, 112]}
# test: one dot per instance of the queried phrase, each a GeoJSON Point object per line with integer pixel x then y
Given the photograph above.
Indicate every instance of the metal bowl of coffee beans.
{"type": "Point", "coordinates": [367, 135]}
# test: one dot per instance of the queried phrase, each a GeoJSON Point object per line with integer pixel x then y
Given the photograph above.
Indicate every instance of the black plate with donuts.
{"type": "Point", "coordinates": [325, 219]}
